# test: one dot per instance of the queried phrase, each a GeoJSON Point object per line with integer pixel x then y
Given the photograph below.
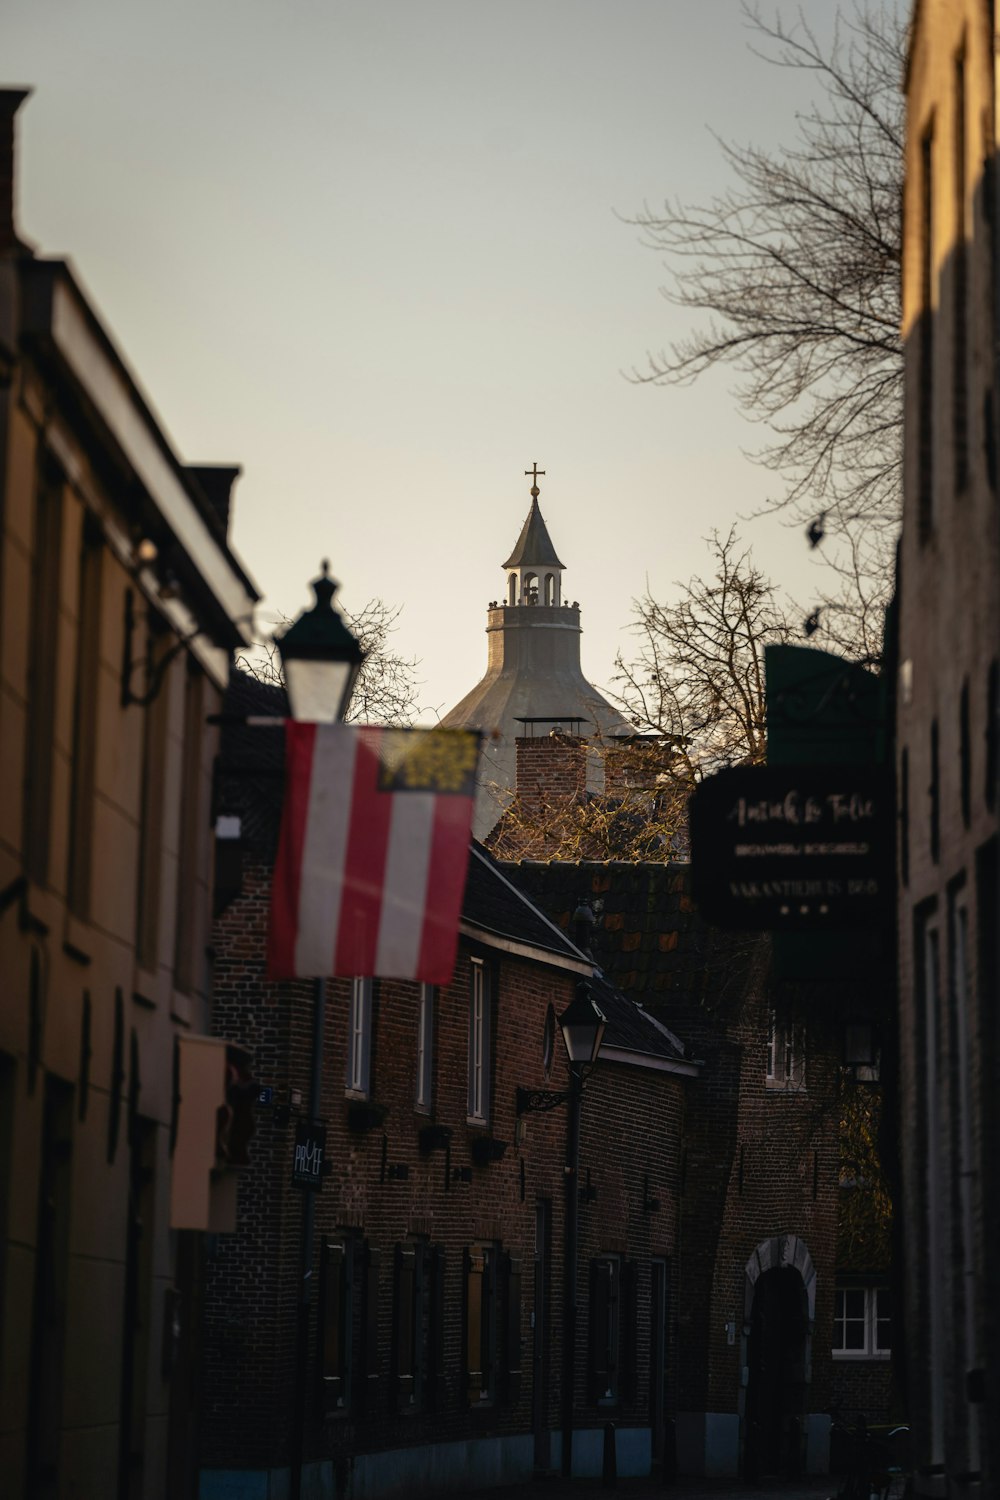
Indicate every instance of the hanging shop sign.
{"type": "Point", "coordinates": [793, 848]}
{"type": "Point", "coordinates": [308, 1167]}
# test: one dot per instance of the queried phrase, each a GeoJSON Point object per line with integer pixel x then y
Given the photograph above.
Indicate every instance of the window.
{"type": "Point", "coordinates": [492, 1326]}
{"type": "Point", "coordinates": [154, 747]}
{"type": "Point", "coordinates": [45, 595]}
{"type": "Point", "coordinates": [480, 1021]}
{"type": "Point", "coordinates": [862, 1322]}
{"type": "Point", "coordinates": [425, 1047]}
{"type": "Point", "coordinates": [934, 793]}
{"type": "Point", "coordinates": [88, 649]}
{"type": "Point", "coordinates": [925, 481]}
{"type": "Point", "coordinates": [613, 1322]}
{"type": "Point", "coordinates": [929, 1049]}
{"type": "Point", "coordinates": [786, 1054]}
{"type": "Point", "coordinates": [189, 888]}
{"type": "Point", "coordinates": [965, 754]}
{"type": "Point", "coordinates": [359, 1038]}
{"type": "Point", "coordinates": [959, 415]}
{"type": "Point", "coordinates": [965, 1289]}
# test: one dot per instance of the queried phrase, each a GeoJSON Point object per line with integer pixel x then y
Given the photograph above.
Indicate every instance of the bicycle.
{"type": "Point", "coordinates": [874, 1461]}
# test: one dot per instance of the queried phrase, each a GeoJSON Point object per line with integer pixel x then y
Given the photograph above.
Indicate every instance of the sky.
{"type": "Point", "coordinates": [376, 252]}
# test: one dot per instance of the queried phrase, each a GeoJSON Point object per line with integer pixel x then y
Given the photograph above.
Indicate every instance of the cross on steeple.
{"type": "Point", "coordinates": [534, 471]}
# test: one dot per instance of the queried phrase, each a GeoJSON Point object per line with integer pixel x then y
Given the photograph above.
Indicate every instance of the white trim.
{"type": "Point", "coordinates": [632, 1059]}
{"type": "Point", "coordinates": [523, 950]}
{"type": "Point", "coordinates": [113, 398]}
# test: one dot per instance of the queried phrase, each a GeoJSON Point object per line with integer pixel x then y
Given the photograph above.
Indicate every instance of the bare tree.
{"type": "Point", "coordinates": [385, 692]}
{"type": "Point", "coordinates": [797, 269]}
{"type": "Point", "coordinates": [699, 673]}
{"type": "Point", "coordinates": [641, 813]}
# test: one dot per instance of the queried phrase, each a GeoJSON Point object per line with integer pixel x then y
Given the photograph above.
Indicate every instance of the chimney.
{"type": "Point", "coordinates": [551, 768]}
{"type": "Point", "coordinates": [10, 102]}
{"type": "Point", "coordinates": [216, 484]}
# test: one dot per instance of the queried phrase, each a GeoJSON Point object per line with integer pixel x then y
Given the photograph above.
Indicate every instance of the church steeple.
{"type": "Point", "coordinates": [534, 572]}
{"type": "Point", "coordinates": [534, 680]}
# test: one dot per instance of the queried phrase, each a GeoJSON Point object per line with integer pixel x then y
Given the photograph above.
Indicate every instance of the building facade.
{"type": "Point", "coordinates": [435, 1349]}
{"type": "Point", "coordinates": [755, 1270]}
{"type": "Point", "coordinates": [948, 692]}
{"type": "Point", "coordinates": [120, 604]}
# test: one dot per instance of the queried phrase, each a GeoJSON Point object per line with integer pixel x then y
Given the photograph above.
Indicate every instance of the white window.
{"type": "Point", "coordinates": [479, 1043]}
{"type": "Point", "coordinates": [786, 1054]}
{"type": "Point", "coordinates": [862, 1322]}
{"type": "Point", "coordinates": [359, 1038]}
{"type": "Point", "coordinates": [425, 1046]}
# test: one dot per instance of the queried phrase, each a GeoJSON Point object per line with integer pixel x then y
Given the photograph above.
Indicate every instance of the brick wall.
{"type": "Point", "coordinates": [384, 1189]}
{"type": "Point", "coordinates": [756, 1161]}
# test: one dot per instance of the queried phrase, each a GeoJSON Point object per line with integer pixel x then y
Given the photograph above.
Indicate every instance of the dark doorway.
{"type": "Point", "coordinates": [540, 1336]}
{"type": "Point", "coordinates": [182, 1321]}
{"type": "Point", "coordinates": [776, 1389]}
{"type": "Point", "coordinates": [137, 1327]}
{"type": "Point", "coordinates": [45, 1379]}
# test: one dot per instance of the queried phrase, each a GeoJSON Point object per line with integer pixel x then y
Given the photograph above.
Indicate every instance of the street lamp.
{"type": "Point", "coordinates": [582, 1024]}
{"type": "Point", "coordinates": [321, 660]}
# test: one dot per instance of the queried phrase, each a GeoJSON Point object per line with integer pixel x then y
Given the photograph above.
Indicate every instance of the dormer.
{"type": "Point", "coordinates": [534, 572]}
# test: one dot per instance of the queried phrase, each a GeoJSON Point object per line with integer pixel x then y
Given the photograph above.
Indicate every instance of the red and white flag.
{"type": "Point", "coordinates": [373, 852]}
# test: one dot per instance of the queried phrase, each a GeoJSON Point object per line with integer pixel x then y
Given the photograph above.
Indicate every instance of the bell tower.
{"type": "Point", "coordinates": [534, 572]}
{"type": "Point", "coordinates": [534, 681]}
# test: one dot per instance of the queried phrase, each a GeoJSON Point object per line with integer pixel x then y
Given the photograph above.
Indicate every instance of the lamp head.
{"type": "Point", "coordinates": [320, 658]}
{"type": "Point", "coordinates": [582, 1024]}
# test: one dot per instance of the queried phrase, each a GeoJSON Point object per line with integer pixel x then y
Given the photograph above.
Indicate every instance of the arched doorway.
{"type": "Point", "coordinates": [778, 1316]}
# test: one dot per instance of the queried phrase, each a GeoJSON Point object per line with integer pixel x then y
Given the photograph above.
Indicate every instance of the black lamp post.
{"type": "Point", "coordinates": [582, 1024]}
{"type": "Point", "coordinates": [321, 660]}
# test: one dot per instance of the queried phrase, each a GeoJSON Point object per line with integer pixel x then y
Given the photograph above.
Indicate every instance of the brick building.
{"type": "Point", "coordinates": [435, 1355]}
{"type": "Point", "coordinates": [755, 1269]}
{"type": "Point", "coordinates": [120, 604]}
{"type": "Point", "coordinates": [948, 700]}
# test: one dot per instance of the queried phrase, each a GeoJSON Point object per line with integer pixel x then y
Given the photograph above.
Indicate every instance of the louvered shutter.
{"type": "Point", "coordinates": [512, 1310]}
{"type": "Point", "coordinates": [628, 1330]}
{"type": "Point", "coordinates": [599, 1373]}
{"type": "Point", "coordinates": [332, 1326]}
{"type": "Point", "coordinates": [370, 1389]}
{"type": "Point", "coordinates": [436, 1362]}
{"type": "Point", "coordinates": [474, 1269]}
{"type": "Point", "coordinates": [403, 1342]}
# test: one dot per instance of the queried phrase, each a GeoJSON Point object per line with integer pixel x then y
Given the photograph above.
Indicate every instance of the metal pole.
{"type": "Point", "coordinates": [306, 1264]}
{"type": "Point", "coordinates": [570, 1254]}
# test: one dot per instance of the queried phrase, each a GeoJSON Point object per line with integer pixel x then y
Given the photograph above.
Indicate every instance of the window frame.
{"type": "Point", "coordinates": [423, 1095]}
{"type": "Point", "coordinates": [478, 1100]}
{"type": "Point", "coordinates": [871, 1319]}
{"type": "Point", "coordinates": [786, 1043]}
{"type": "Point", "coordinates": [358, 1073]}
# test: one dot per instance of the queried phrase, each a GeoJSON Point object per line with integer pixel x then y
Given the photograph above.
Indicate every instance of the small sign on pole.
{"type": "Point", "coordinates": [309, 1162]}
{"type": "Point", "coordinates": [786, 848]}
